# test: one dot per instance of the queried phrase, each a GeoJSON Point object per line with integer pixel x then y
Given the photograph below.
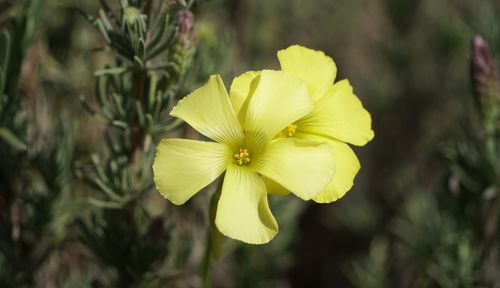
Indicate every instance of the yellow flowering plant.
{"type": "Point", "coordinates": [337, 118]}
{"type": "Point", "coordinates": [244, 127]}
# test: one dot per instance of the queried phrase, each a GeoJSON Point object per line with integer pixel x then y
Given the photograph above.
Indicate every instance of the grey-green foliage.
{"type": "Point", "coordinates": [433, 242]}
{"type": "Point", "coordinates": [153, 44]}
{"type": "Point", "coordinates": [450, 238]}
{"type": "Point", "coordinates": [17, 31]}
{"type": "Point", "coordinates": [35, 169]}
{"type": "Point", "coordinates": [373, 270]}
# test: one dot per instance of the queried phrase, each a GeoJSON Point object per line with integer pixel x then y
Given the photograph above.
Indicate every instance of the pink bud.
{"type": "Point", "coordinates": [483, 69]}
{"type": "Point", "coordinates": [185, 21]}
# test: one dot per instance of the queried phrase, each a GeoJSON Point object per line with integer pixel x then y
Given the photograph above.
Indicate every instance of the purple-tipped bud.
{"type": "Point", "coordinates": [185, 22]}
{"type": "Point", "coordinates": [483, 69]}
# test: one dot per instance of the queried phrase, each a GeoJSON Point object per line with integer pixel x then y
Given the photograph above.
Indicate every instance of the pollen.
{"type": "Point", "coordinates": [291, 130]}
{"type": "Point", "coordinates": [242, 158]}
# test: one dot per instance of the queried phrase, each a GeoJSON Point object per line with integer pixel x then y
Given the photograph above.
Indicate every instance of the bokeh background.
{"type": "Point", "coordinates": [409, 221]}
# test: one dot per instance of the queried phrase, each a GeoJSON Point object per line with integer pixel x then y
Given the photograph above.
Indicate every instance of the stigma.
{"type": "Point", "coordinates": [242, 157]}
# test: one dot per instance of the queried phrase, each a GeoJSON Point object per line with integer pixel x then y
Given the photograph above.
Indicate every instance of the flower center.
{"type": "Point", "coordinates": [291, 130]}
{"type": "Point", "coordinates": [242, 157]}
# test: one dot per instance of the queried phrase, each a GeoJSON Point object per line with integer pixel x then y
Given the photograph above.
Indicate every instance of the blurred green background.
{"type": "Point", "coordinates": [409, 63]}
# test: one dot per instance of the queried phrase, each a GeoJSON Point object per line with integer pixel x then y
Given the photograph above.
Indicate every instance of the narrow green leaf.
{"type": "Point", "coordinates": [12, 139]}
{"type": "Point", "coordinates": [149, 122]}
{"type": "Point", "coordinates": [162, 66]}
{"type": "Point", "coordinates": [167, 128]}
{"type": "Point", "coordinates": [121, 44]}
{"type": "Point", "coordinates": [120, 124]}
{"type": "Point", "coordinates": [96, 164]}
{"type": "Point", "coordinates": [111, 71]}
{"type": "Point", "coordinates": [159, 49]}
{"type": "Point", "coordinates": [105, 204]}
{"type": "Point", "coordinates": [4, 66]}
{"type": "Point", "coordinates": [102, 28]}
{"type": "Point", "coordinates": [163, 23]}
{"type": "Point", "coordinates": [153, 83]}
{"type": "Point", "coordinates": [142, 49]}
{"type": "Point", "coordinates": [106, 190]}
{"type": "Point", "coordinates": [101, 89]}
{"type": "Point", "coordinates": [105, 20]}
{"type": "Point", "coordinates": [86, 105]}
{"type": "Point", "coordinates": [139, 62]}
{"type": "Point", "coordinates": [118, 103]}
{"type": "Point", "coordinates": [140, 113]}
{"type": "Point", "coordinates": [124, 180]}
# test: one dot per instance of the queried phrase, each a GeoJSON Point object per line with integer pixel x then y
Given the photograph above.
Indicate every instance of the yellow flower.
{"type": "Point", "coordinates": [245, 150]}
{"type": "Point", "coordinates": [337, 118]}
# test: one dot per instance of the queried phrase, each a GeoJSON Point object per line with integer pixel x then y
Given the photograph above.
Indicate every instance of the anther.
{"type": "Point", "coordinates": [242, 157]}
{"type": "Point", "coordinates": [291, 129]}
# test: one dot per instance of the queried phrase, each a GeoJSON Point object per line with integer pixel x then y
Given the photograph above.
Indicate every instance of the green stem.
{"type": "Point", "coordinates": [213, 237]}
{"type": "Point", "coordinates": [205, 270]}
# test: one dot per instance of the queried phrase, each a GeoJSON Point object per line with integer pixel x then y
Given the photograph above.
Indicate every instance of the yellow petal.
{"type": "Point", "coordinates": [302, 167]}
{"type": "Point", "coordinates": [339, 114]}
{"type": "Point", "coordinates": [243, 211]}
{"type": "Point", "coordinates": [274, 188]}
{"type": "Point", "coordinates": [209, 111]}
{"type": "Point", "coordinates": [347, 166]}
{"type": "Point", "coordinates": [184, 167]}
{"type": "Point", "coordinates": [241, 91]}
{"type": "Point", "coordinates": [278, 100]}
{"type": "Point", "coordinates": [313, 67]}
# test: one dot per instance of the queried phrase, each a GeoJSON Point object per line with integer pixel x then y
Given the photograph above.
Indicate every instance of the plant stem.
{"type": "Point", "coordinates": [207, 261]}
{"type": "Point", "coordinates": [213, 237]}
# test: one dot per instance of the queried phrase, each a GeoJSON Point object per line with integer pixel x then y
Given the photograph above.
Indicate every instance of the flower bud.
{"type": "Point", "coordinates": [185, 22]}
{"type": "Point", "coordinates": [483, 69]}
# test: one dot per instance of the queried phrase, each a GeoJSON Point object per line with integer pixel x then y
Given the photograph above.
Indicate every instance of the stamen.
{"type": "Point", "coordinates": [243, 157]}
{"type": "Point", "coordinates": [291, 130]}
